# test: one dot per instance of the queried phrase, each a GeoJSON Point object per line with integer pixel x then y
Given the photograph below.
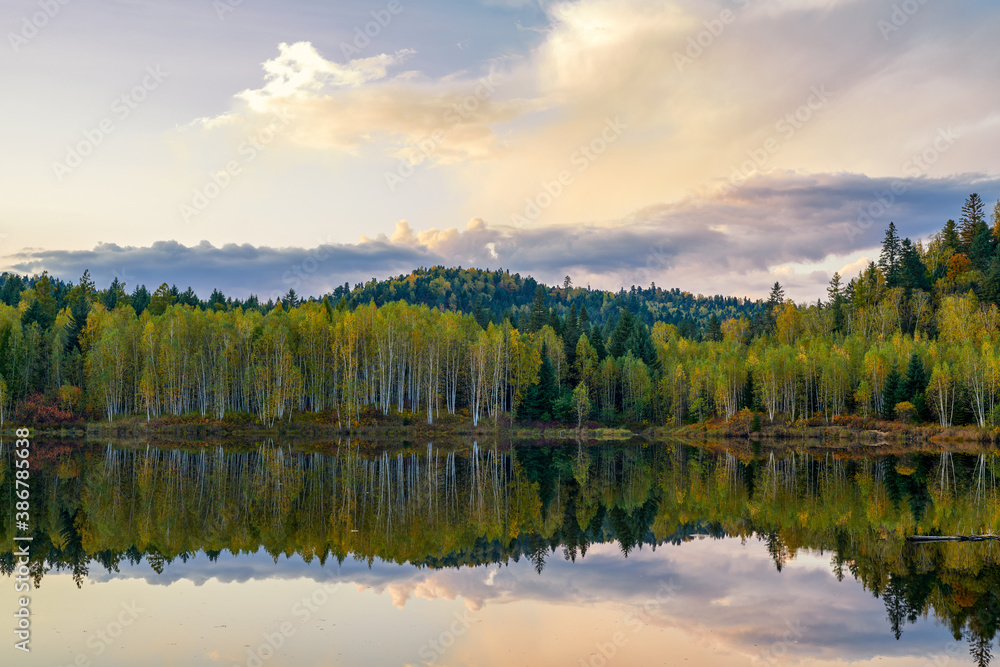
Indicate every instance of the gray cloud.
{"type": "Point", "coordinates": [717, 237]}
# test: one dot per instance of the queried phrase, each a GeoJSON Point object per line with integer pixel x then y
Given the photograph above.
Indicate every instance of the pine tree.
{"type": "Point", "coordinates": [835, 301]}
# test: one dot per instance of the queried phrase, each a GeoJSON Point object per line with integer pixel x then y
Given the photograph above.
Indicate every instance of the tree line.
{"type": "Point", "coordinates": [914, 337]}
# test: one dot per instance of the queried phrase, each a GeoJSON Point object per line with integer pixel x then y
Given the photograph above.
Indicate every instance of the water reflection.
{"type": "Point", "coordinates": [440, 507]}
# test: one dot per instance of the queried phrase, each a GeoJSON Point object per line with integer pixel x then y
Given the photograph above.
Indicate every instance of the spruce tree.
{"type": "Point", "coordinates": [973, 220]}
{"type": "Point", "coordinates": [892, 251]}
{"type": "Point", "coordinates": [892, 393]}
{"type": "Point", "coordinates": [915, 384]}
{"type": "Point", "coordinates": [912, 272]}
{"type": "Point", "coordinates": [618, 342]}
{"type": "Point", "coordinates": [78, 320]}
{"type": "Point", "coordinates": [950, 238]}
{"type": "Point", "coordinates": [539, 313]}
{"type": "Point", "coordinates": [835, 301]}
{"type": "Point", "coordinates": [713, 330]}
{"type": "Point", "coordinates": [540, 397]}
{"type": "Point", "coordinates": [983, 248]}
{"type": "Point", "coordinates": [597, 342]}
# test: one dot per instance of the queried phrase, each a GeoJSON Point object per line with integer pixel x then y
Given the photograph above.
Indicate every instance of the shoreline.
{"type": "Point", "coordinates": [844, 432]}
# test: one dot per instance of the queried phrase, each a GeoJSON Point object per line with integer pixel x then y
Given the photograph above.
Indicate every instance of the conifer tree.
{"type": "Point", "coordinates": [973, 220]}
{"type": "Point", "coordinates": [889, 260]}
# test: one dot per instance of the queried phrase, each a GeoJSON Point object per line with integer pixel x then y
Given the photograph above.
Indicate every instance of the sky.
{"type": "Point", "coordinates": [712, 603]}
{"type": "Point", "coordinates": [716, 146]}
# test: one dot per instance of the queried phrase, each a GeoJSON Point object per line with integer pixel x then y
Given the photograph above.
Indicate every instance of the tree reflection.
{"type": "Point", "coordinates": [469, 504]}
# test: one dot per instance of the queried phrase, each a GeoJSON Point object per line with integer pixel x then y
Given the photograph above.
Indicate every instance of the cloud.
{"type": "Point", "coordinates": [708, 242]}
{"type": "Point", "coordinates": [346, 107]}
{"type": "Point", "coordinates": [723, 589]}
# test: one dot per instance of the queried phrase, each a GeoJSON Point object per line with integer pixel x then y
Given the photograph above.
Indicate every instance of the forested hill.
{"type": "Point", "coordinates": [489, 295]}
{"type": "Point", "coordinates": [500, 294]}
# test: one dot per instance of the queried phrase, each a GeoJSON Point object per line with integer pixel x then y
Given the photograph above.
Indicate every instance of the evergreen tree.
{"type": "Point", "coordinates": [597, 342]}
{"type": "Point", "coordinates": [892, 393]}
{"type": "Point", "coordinates": [915, 384]}
{"type": "Point", "coordinates": [78, 320]}
{"type": "Point", "coordinates": [916, 378]}
{"type": "Point", "coordinates": [140, 299]}
{"type": "Point", "coordinates": [188, 298]}
{"type": "Point", "coordinates": [539, 313]}
{"type": "Point", "coordinates": [618, 342]}
{"type": "Point", "coordinates": [973, 220]}
{"type": "Point", "coordinates": [217, 301]}
{"type": "Point", "coordinates": [912, 272]}
{"type": "Point", "coordinates": [835, 301]}
{"type": "Point", "coordinates": [713, 330]}
{"type": "Point", "coordinates": [571, 336]}
{"type": "Point", "coordinates": [36, 314]}
{"type": "Point", "coordinates": [113, 295]}
{"type": "Point", "coordinates": [950, 238]}
{"type": "Point", "coordinates": [889, 260]}
{"type": "Point", "coordinates": [640, 344]}
{"type": "Point", "coordinates": [775, 298]}
{"type": "Point", "coordinates": [540, 397]}
{"type": "Point", "coordinates": [983, 248]}
{"type": "Point", "coordinates": [990, 288]}
{"type": "Point", "coordinates": [12, 288]}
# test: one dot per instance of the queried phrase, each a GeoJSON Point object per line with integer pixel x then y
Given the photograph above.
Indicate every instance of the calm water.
{"type": "Point", "coordinates": [475, 554]}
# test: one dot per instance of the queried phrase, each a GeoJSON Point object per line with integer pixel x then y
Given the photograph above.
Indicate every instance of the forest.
{"type": "Point", "coordinates": [914, 337]}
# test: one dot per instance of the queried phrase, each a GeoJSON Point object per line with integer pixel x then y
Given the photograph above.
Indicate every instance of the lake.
{"type": "Point", "coordinates": [482, 553]}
